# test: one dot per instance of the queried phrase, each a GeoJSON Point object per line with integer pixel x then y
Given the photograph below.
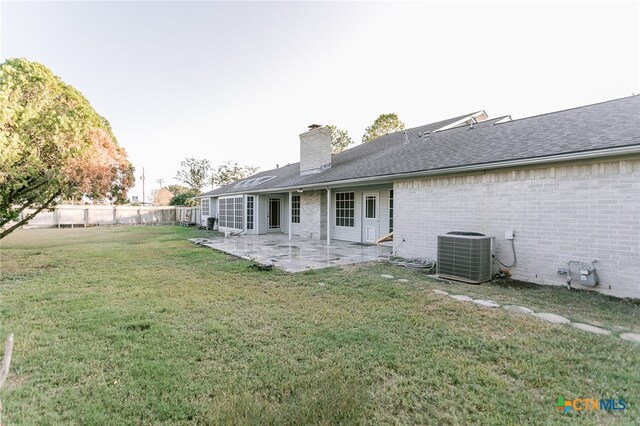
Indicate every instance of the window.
{"type": "Point", "coordinates": [391, 210]}
{"type": "Point", "coordinates": [204, 206]}
{"type": "Point", "coordinates": [250, 211]}
{"type": "Point", "coordinates": [345, 209]}
{"type": "Point", "coordinates": [239, 213]}
{"type": "Point", "coordinates": [370, 207]}
{"type": "Point", "coordinates": [230, 212]}
{"type": "Point", "coordinates": [295, 209]}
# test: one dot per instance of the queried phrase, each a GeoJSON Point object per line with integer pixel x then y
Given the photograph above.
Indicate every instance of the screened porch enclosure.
{"type": "Point", "coordinates": [357, 214]}
{"type": "Point", "coordinates": [254, 213]}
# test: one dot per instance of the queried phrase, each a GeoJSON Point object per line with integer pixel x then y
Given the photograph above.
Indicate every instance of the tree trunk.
{"type": "Point", "coordinates": [24, 220]}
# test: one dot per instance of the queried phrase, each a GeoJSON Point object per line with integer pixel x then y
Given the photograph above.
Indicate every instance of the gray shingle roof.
{"type": "Point", "coordinates": [595, 127]}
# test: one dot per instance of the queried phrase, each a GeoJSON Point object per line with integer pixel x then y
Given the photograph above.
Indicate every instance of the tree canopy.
{"type": "Point", "coordinates": [230, 171]}
{"type": "Point", "coordinates": [384, 124]}
{"type": "Point", "coordinates": [340, 139]}
{"type": "Point", "coordinates": [182, 195]}
{"type": "Point", "coordinates": [194, 173]}
{"type": "Point", "coordinates": [162, 197]}
{"type": "Point", "coordinates": [53, 145]}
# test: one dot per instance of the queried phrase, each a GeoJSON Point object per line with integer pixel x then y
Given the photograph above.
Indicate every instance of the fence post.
{"type": "Point", "coordinates": [56, 215]}
{"type": "Point", "coordinates": [115, 215]}
{"type": "Point", "coordinates": [86, 217]}
{"type": "Point", "coordinates": [139, 216]}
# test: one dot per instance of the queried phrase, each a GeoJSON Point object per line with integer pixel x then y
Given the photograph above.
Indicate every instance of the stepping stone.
{"type": "Point", "coordinates": [552, 318]}
{"type": "Point", "coordinates": [632, 337]}
{"type": "Point", "coordinates": [462, 298]}
{"type": "Point", "coordinates": [486, 303]}
{"type": "Point", "coordinates": [389, 277]}
{"type": "Point", "coordinates": [591, 329]}
{"type": "Point", "coordinates": [518, 309]}
{"type": "Point", "coordinates": [444, 293]}
{"type": "Point", "coordinates": [403, 280]}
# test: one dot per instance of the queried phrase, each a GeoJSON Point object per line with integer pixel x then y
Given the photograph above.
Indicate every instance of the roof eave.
{"type": "Point", "coordinates": [573, 156]}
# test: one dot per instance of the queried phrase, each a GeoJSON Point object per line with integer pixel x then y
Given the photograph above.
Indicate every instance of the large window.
{"type": "Point", "coordinates": [250, 211]}
{"type": "Point", "coordinates": [391, 210]}
{"type": "Point", "coordinates": [230, 212]}
{"type": "Point", "coordinates": [295, 209]}
{"type": "Point", "coordinates": [204, 206]}
{"type": "Point", "coordinates": [345, 209]}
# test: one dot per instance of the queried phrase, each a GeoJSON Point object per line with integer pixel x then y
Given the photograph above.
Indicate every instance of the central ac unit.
{"type": "Point", "coordinates": [465, 256]}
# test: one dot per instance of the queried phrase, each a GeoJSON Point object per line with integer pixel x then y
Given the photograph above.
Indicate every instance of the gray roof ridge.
{"type": "Point", "coordinates": [513, 120]}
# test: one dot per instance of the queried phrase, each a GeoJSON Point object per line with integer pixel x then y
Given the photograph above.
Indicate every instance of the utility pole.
{"type": "Point", "coordinates": [142, 177]}
{"type": "Point", "coordinates": [160, 181]}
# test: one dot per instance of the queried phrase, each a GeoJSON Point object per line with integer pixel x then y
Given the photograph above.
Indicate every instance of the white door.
{"type": "Point", "coordinates": [274, 214]}
{"type": "Point", "coordinates": [370, 217]}
{"type": "Point", "coordinates": [294, 218]}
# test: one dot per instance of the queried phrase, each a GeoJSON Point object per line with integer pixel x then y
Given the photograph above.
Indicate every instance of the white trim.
{"type": "Point", "coordinates": [504, 119]}
{"type": "Point", "coordinates": [475, 118]}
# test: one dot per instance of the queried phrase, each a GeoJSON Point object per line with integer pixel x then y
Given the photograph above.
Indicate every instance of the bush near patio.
{"type": "Point", "coordinates": [138, 326]}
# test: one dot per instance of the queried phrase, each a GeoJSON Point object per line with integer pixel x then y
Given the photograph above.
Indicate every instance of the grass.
{"type": "Point", "coordinates": [138, 326]}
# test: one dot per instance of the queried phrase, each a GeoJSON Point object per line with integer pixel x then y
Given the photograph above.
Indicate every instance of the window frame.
{"type": "Point", "coordinates": [205, 202]}
{"type": "Point", "coordinates": [345, 209]}
{"type": "Point", "coordinates": [295, 208]}
{"type": "Point", "coordinates": [231, 212]}
{"type": "Point", "coordinates": [251, 201]}
{"type": "Point", "coordinates": [391, 210]}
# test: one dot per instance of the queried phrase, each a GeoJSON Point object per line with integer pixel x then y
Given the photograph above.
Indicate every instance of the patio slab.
{"type": "Point", "coordinates": [295, 255]}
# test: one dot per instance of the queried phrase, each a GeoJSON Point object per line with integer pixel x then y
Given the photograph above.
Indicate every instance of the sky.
{"type": "Point", "coordinates": [240, 81]}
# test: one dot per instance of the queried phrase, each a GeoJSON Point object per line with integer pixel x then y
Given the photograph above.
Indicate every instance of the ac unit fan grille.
{"type": "Point", "coordinates": [464, 258]}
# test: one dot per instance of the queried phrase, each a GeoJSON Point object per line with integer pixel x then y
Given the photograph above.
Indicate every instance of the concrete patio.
{"type": "Point", "coordinates": [297, 254]}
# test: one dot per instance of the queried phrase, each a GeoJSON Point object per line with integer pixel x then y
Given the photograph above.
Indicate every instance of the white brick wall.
{"type": "Point", "coordinates": [315, 150]}
{"type": "Point", "coordinates": [573, 211]}
{"type": "Point", "coordinates": [313, 215]}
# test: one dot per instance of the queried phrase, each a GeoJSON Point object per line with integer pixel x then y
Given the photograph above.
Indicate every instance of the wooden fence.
{"type": "Point", "coordinates": [77, 215]}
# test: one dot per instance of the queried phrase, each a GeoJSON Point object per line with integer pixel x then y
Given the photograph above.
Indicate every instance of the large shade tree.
{"type": "Point", "coordinates": [230, 171]}
{"type": "Point", "coordinates": [53, 146]}
{"type": "Point", "coordinates": [383, 125]}
{"type": "Point", "coordinates": [182, 195]}
{"type": "Point", "coordinates": [194, 173]}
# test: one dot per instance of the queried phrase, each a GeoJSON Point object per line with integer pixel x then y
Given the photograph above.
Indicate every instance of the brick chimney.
{"type": "Point", "coordinates": [315, 150]}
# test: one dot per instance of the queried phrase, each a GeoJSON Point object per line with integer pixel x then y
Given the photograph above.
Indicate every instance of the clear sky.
{"type": "Point", "coordinates": [240, 81]}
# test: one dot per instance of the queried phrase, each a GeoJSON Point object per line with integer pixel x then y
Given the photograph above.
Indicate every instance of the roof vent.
{"type": "Point", "coordinates": [314, 126]}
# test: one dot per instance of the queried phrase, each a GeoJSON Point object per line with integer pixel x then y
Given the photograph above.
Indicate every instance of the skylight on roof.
{"type": "Point", "coordinates": [250, 183]}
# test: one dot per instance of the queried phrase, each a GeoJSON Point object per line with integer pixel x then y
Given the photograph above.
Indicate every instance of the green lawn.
{"type": "Point", "coordinates": [138, 326]}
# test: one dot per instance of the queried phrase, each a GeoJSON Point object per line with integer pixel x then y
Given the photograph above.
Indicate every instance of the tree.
{"type": "Point", "coordinates": [53, 146]}
{"type": "Point", "coordinates": [194, 173]}
{"type": "Point", "coordinates": [162, 197]}
{"type": "Point", "coordinates": [184, 199]}
{"type": "Point", "coordinates": [182, 195]}
{"type": "Point", "coordinates": [229, 172]}
{"type": "Point", "coordinates": [178, 189]}
{"type": "Point", "coordinates": [340, 139]}
{"type": "Point", "coordinates": [385, 124]}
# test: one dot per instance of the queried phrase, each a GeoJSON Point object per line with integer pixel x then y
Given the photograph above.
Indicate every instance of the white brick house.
{"type": "Point", "coordinates": [567, 183]}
